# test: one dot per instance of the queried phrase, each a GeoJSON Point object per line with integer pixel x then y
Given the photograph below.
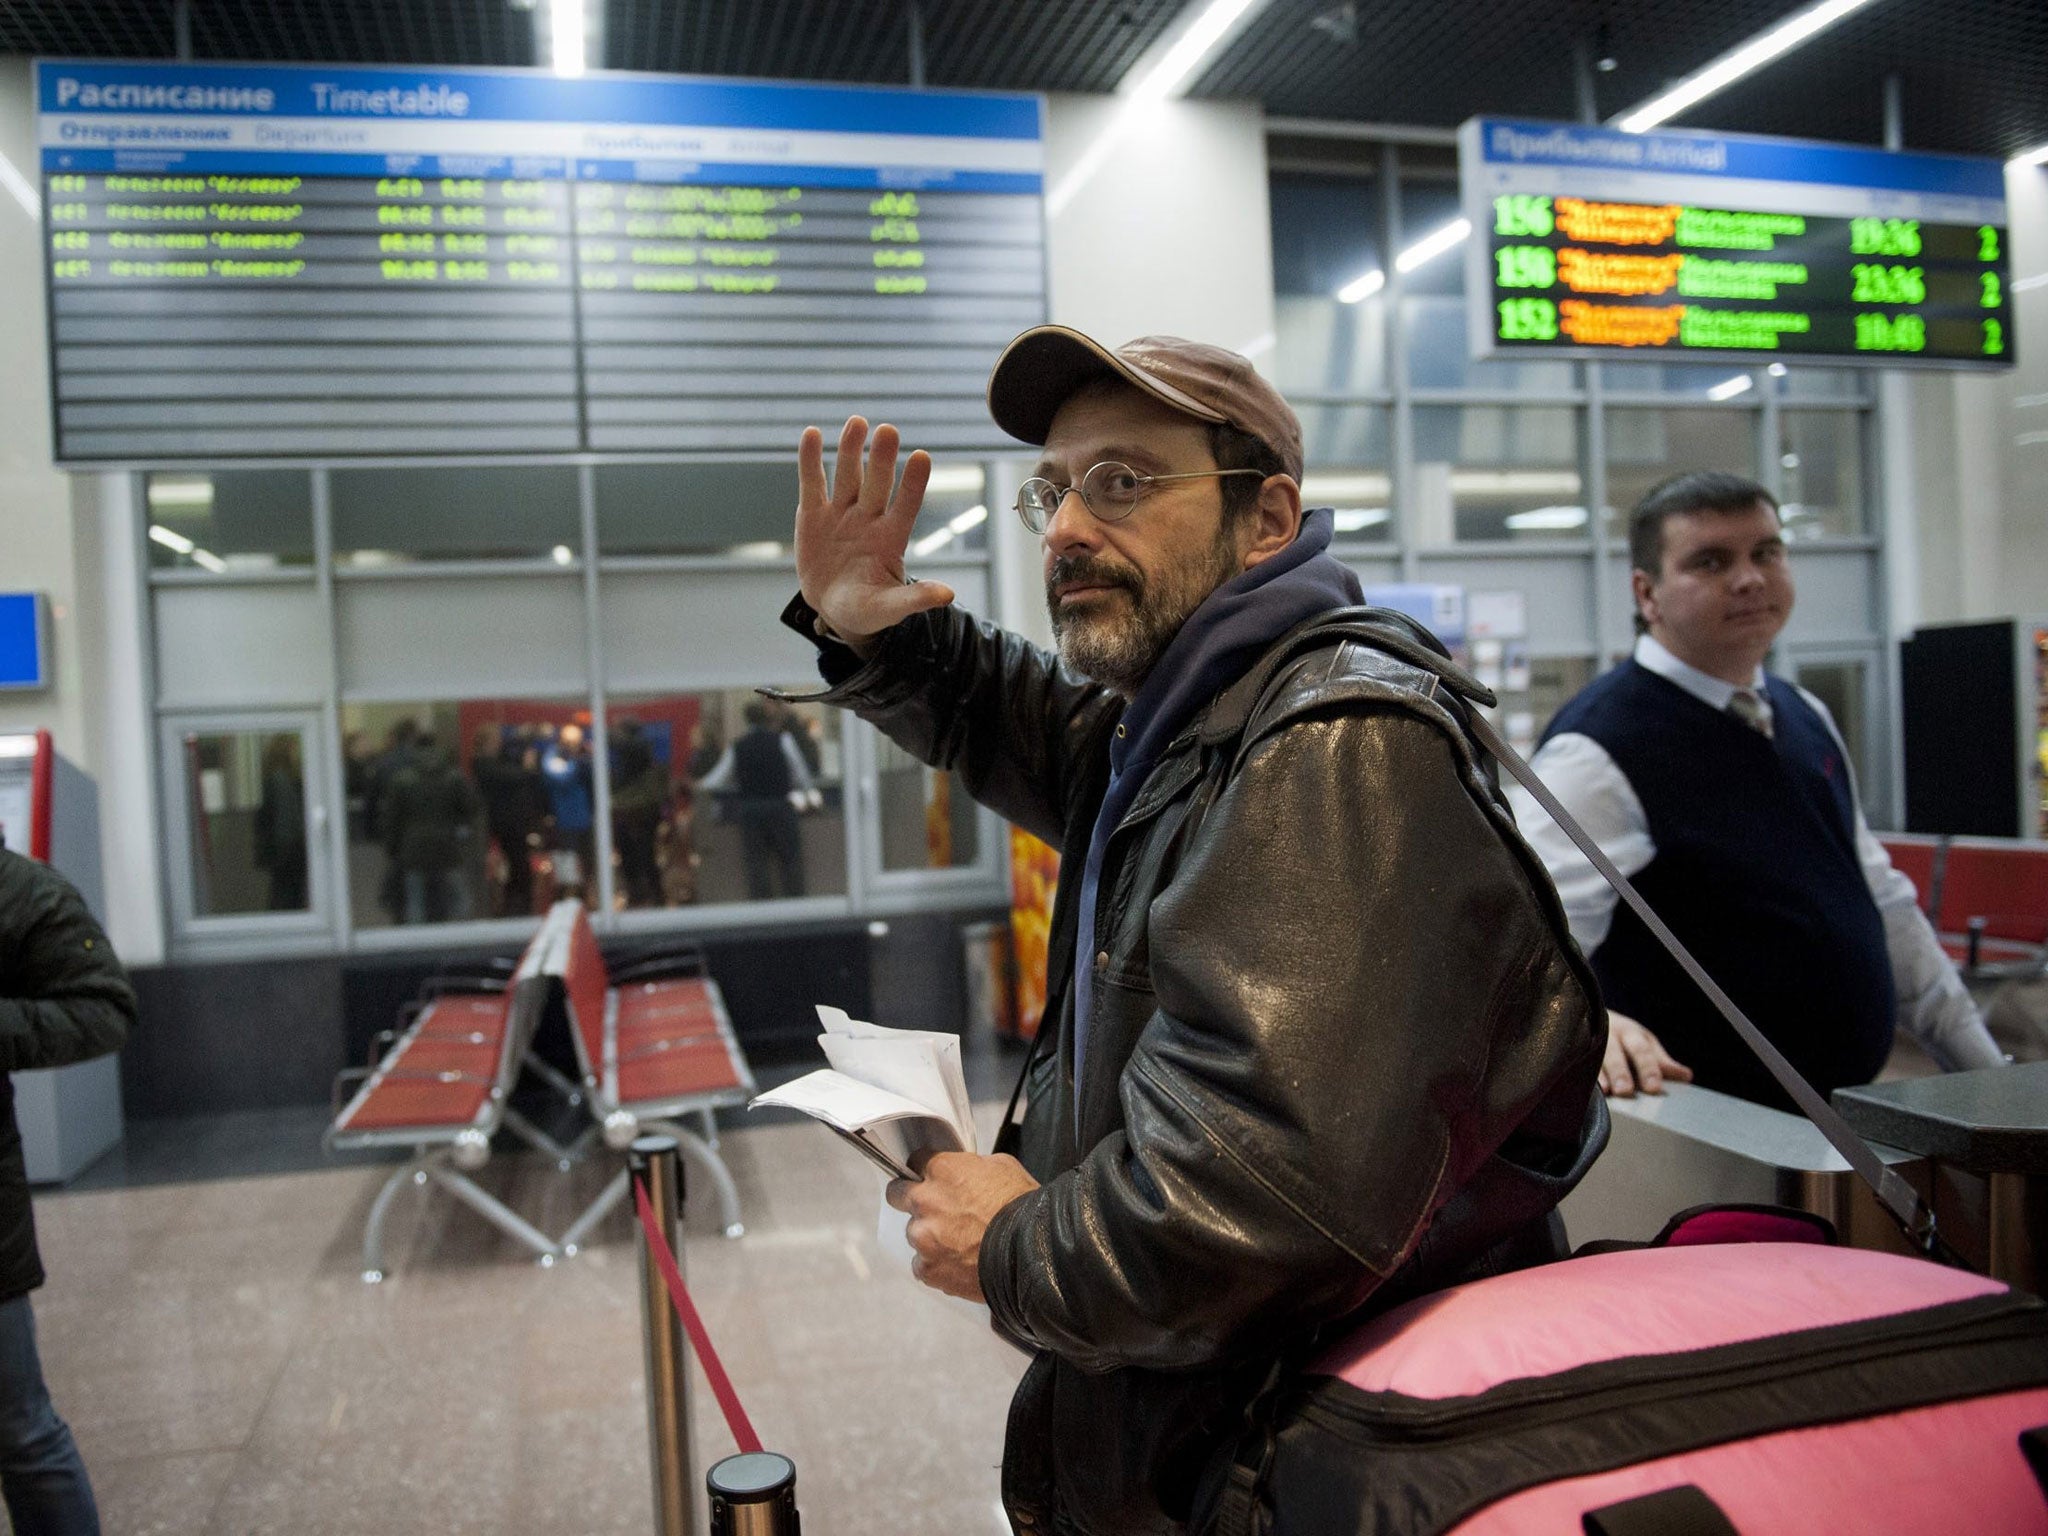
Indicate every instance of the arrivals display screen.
{"type": "Point", "coordinates": [309, 262]}
{"type": "Point", "coordinates": [1589, 241]}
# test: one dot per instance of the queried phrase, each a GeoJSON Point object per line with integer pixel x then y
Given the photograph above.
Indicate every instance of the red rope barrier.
{"type": "Point", "coordinates": [714, 1371]}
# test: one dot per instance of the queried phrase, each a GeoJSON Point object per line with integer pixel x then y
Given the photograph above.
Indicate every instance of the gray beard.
{"type": "Point", "coordinates": [1119, 649]}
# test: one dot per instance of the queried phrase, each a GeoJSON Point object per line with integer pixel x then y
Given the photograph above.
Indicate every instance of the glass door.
{"type": "Point", "coordinates": [921, 831]}
{"type": "Point", "coordinates": [246, 820]}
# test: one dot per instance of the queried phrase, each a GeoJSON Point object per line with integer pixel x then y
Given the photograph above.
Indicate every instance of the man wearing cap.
{"type": "Point", "coordinates": [1325, 1043]}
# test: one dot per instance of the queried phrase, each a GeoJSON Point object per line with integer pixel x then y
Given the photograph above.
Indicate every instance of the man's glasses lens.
{"type": "Point", "coordinates": [1110, 491]}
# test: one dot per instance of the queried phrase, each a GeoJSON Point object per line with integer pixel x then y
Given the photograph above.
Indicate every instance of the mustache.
{"type": "Point", "coordinates": [1094, 572]}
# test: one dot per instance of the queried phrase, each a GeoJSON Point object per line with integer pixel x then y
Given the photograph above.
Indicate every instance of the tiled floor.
{"type": "Point", "coordinates": [226, 1369]}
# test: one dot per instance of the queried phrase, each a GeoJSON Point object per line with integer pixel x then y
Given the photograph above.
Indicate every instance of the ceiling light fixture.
{"type": "Point", "coordinates": [2038, 155]}
{"type": "Point", "coordinates": [1733, 65]}
{"type": "Point", "coordinates": [932, 542]}
{"type": "Point", "coordinates": [18, 185]}
{"type": "Point", "coordinates": [1362, 287]}
{"type": "Point", "coordinates": [1193, 47]}
{"type": "Point", "coordinates": [567, 38]}
{"type": "Point", "coordinates": [1421, 253]}
{"type": "Point", "coordinates": [1728, 389]}
{"type": "Point", "coordinates": [175, 542]}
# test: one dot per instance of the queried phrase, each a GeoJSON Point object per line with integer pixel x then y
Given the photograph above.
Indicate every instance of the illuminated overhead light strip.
{"type": "Point", "coordinates": [1728, 389]}
{"type": "Point", "coordinates": [24, 194]}
{"type": "Point", "coordinates": [176, 543]}
{"type": "Point", "coordinates": [1547, 519]}
{"type": "Point", "coordinates": [1421, 253]}
{"type": "Point", "coordinates": [2038, 155]}
{"type": "Point", "coordinates": [1736, 63]}
{"type": "Point", "coordinates": [206, 559]}
{"type": "Point", "coordinates": [1192, 49]}
{"type": "Point", "coordinates": [952, 479]}
{"type": "Point", "coordinates": [2029, 284]}
{"type": "Point", "coordinates": [567, 38]}
{"type": "Point", "coordinates": [973, 517]}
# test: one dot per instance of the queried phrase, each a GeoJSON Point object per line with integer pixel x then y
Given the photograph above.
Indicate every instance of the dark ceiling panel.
{"type": "Point", "coordinates": [1975, 74]}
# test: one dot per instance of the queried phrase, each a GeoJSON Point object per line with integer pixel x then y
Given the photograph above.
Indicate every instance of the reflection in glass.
{"type": "Point", "coordinates": [928, 818]}
{"type": "Point", "coordinates": [1646, 446]}
{"type": "Point", "coordinates": [466, 810]}
{"type": "Point", "coordinates": [397, 516]}
{"type": "Point", "coordinates": [247, 793]}
{"type": "Point", "coordinates": [1839, 685]}
{"type": "Point", "coordinates": [759, 808]}
{"type": "Point", "coordinates": [228, 521]}
{"type": "Point", "coordinates": [1497, 472]}
{"type": "Point", "coordinates": [1326, 243]}
{"type": "Point", "coordinates": [1820, 464]}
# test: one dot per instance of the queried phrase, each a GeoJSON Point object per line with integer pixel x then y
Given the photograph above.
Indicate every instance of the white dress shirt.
{"type": "Point", "coordinates": [1934, 1005]}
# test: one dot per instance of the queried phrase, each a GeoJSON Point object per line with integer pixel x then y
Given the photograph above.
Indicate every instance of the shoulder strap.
{"type": "Point", "coordinates": [1898, 1197]}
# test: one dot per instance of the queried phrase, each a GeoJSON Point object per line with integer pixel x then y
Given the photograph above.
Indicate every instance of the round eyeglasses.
{"type": "Point", "coordinates": [1109, 491]}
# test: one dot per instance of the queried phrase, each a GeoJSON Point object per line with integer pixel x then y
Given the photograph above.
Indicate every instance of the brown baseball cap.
{"type": "Point", "coordinates": [1047, 365]}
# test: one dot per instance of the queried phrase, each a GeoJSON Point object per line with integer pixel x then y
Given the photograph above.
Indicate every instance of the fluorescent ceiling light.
{"type": "Point", "coordinates": [1515, 482]}
{"type": "Point", "coordinates": [2038, 155]}
{"type": "Point", "coordinates": [1342, 489]}
{"type": "Point", "coordinates": [1731, 66]}
{"type": "Point", "coordinates": [1362, 287]}
{"type": "Point", "coordinates": [1547, 519]}
{"type": "Point", "coordinates": [760, 549]}
{"type": "Point", "coordinates": [177, 543]}
{"type": "Point", "coordinates": [1212, 26]}
{"type": "Point", "coordinates": [1421, 253]}
{"type": "Point", "coordinates": [208, 560]}
{"type": "Point", "coordinates": [1432, 245]}
{"type": "Point", "coordinates": [952, 479]}
{"type": "Point", "coordinates": [931, 542]}
{"type": "Point", "coordinates": [184, 493]}
{"type": "Point", "coordinates": [18, 185]}
{"type": "Point", "coordinates": [566, 37]}
{"type": "Point", "coordinates": [564, 555]}
{"type": "Point", "coordinates": [2029, 284]}
{"type": "Point", "coordinates": [1351, 519]}
{"type": "Point", "coordinates": [1728, 389]}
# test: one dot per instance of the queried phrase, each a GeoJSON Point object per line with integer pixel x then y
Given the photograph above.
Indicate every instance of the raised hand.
{"type": "Point", "coordinates": [851, 535]}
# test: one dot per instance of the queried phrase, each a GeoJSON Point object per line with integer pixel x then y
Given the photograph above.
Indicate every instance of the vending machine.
{"type": "Point", "coordinates": [49, 810]}
{"type": "Point", "coordinates": [1974, 711]}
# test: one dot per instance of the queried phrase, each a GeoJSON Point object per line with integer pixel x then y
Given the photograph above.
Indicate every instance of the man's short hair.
{"type": "Point", "coordinates": [1235, 449]}
{"type": "Point", "coordinates": [1701, 490]}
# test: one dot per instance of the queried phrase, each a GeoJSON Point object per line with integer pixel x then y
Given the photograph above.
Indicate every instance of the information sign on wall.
{"type": "Point", "coordinates": [1590, 240]}
{"type": "Point", "coordinates": [311, 262]}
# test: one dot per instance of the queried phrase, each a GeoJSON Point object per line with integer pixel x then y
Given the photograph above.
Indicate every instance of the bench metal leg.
{"type": "Point", "coordinates": [709, 1118]}
{"type": "Point", "coordinates": [494, 1210]}
{"type": "Point", "coordinates": [704, 1156]}
{"type": "Point", "coordinates": [534, 1136]}
{"type": "Point", "coordinates": [596, 1212]}
{"type": "Point", "coordinates": [567, 1087]}
{"type": "Point", "coordinates": [373, 1230]}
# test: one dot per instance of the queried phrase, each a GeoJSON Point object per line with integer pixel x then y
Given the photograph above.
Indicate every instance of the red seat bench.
{"type": "Point", "coordinates": [654, 1044]}
{"type": "Point", "coordinates": [441, 1088]}
{"type": "Point", "coordinates": [1986, 896]}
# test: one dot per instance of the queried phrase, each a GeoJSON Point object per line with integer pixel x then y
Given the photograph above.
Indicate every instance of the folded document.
{"type": "Point", "coordinates": [893, 1093]}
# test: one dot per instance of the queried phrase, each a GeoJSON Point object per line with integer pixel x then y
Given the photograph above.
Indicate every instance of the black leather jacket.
{"type": "Point", "coordinates": [1341, 1048]}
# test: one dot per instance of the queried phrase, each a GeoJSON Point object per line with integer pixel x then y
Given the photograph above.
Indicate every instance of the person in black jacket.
{"type": "Point", "coordinates": [63, 999]}
{"type": "Point", "coordinates": [1320, 1041]}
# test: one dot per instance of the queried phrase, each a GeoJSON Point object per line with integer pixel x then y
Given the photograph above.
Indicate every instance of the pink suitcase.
{"type": "Point", "coordinates": [1684, 1390]}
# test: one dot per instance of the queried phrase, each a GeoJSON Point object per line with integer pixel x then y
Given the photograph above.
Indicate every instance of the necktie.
{"type": "Point", "coordinates": [1752, 711]}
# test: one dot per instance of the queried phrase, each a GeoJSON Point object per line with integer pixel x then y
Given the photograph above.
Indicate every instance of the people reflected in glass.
{"type": "Point", "coordinates": [427, 818]}
{"type": "Point", "coordinates": [763, 781]}
{"type": "Point", "coordinates": [280, 831]}
{"type": "Point", "coordinates": [506, 767]}
{"type": "Point", "coordinates": [572, 812]}
{"type": "Point", "coordinates": [640, 795]}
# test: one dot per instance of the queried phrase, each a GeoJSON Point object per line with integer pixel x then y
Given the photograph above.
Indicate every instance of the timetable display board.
{"type": "Point", "coordinates": [1590, 241]}
{"type": "Point", "coordinates": [307, 262]}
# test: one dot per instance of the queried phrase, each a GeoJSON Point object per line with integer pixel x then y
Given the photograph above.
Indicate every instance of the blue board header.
{"type": "Point", "coordinates": [347, 121]}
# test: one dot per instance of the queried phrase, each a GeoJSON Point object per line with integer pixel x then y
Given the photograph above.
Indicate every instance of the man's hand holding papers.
{"type": "Point", "coordinates": [950, 1206]}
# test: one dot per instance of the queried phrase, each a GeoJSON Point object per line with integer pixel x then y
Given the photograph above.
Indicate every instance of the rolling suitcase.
{"type": "Point", "coordinates": [1740, 1374]}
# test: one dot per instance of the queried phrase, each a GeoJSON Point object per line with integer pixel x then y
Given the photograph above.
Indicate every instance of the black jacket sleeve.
{"type": "Point", "coordinates": [63, 995]}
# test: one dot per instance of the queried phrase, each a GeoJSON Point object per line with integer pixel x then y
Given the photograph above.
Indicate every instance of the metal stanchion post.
{"type": "Point", "coordinates": [655, 1159]}
{"type": "Point", "coordinates": [753, 1494]}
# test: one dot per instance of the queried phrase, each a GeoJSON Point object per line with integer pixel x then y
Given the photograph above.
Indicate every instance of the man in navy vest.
{"type": "Point", "coordinates": [1725, 794]}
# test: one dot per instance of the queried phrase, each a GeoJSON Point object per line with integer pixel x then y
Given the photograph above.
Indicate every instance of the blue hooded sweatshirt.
{"type": "Point", "coordinates": [1217, 645]}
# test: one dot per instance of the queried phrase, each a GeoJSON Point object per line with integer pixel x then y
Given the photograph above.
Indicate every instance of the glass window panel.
{"type": "Point", "coordinates": [1647, 445]}
{"type": "Point", "coordinates": [1326, 239]}
{"type": "Point", "coordinates": [1803, 381]}
{"type": "Point", "coordinates": [1693, 379]}
{"type": "Point", "coordinates": [247, 793]}
{"type": "Point", "coordinates": [1439, 352]}
{"type": "Point", "coordinates": [1820, 467]}
{"type": "Point", "coordinates": [749, 509]}
{"type": "Point", "coordinates": [467, 809]}
{"type": "Point", "coordinates": [230, 520]}
{"type": "Point", "coordinates": [1840, 686]}
{"type": "Point", "coordinates": [1496, 472]}
{"type": "Point", "coordinates": [928, 818]}
{"type": "Point", "coordinates": [397, 516]}
{"type": "Point", "coordinates": [757, 807]}
{"type": "Point", "coordinates": [1347, 469]}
